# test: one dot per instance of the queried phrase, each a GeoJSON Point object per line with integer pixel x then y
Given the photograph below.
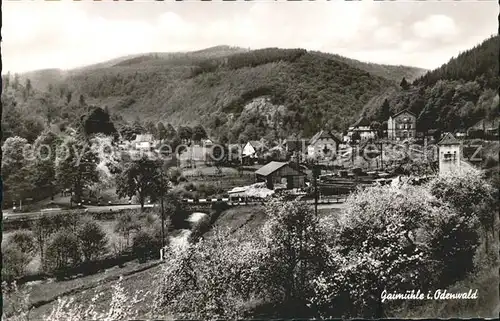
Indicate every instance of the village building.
{"type": "Point", "coordinates": [484, 129]}
{"type": "Point", "coordinates": [144, 142]}
{"type": "Point", "coordinates": [449, 154]}
{"type": "Point", "coordinates": [361, 127]}
{"type": "Point", "coordinates": [323, 144]}
{"type": "Point", "coordinates": [252, 150]}
{"type": "Point", "coordinates": [402, 125]}
{"type": "Point", "coordinates": [276, 174]}
{"type": "Point", "coordinates": [296, 144]}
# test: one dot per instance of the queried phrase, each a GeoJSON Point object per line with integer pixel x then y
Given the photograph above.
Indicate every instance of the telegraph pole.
{"type": "Point", "coordinates": [162, 210]}
{"type": "Point", "coordinates": [316, 172]}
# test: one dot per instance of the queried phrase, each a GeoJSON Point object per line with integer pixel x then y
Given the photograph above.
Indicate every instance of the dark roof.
{"type": "Point", "coordinates": [403, 111]}
{"type": "Point", "coordinates": [323, 134]}
{"type": "Point", "coordinates": [256, 144]}
{"type": "Point", "coordinates": [361, 122]}
{"type": "Point", "coordinates": [449, 139]}
{"type": "Point", "coordinates": [270, 168]}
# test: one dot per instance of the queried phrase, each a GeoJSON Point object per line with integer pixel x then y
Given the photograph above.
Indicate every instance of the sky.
{"type": "Point", "coordinates": [38, 34]}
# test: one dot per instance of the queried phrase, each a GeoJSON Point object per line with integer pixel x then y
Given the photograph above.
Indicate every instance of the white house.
{"type": "Point", "coordinates": [363, 128]}
{"type": "Point", "coordinates": [449, 154]}
{"type": "Point", "coordinates": [144, 142]}
{"type": "Point", "coordinates": [322, 144]}
{"type": "Point", "coordinates": [252, 148]}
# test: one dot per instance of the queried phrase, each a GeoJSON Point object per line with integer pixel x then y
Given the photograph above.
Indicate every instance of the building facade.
{"type": "Point", "coordinates": [280, 173]}
{"type": "Point", "coordinates": [323, 144]}
{"type": "Point", "coordinates": [361, 127]}
{"type": "Point", "coordinates": [449, 154]}
{"type": "Point", "coordinates": [402, 125]}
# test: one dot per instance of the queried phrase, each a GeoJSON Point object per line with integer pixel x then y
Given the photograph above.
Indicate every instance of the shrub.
{"type": "Point", "coordinates": [93, 240]}
{"type": "Point", "coordinates": [212, 279]}
{"type": "Point", "coordinates": [127, 223]}
{"type": "Point", "coordinates": [144, 245]}
{"type": "Point", "coordinates": [62, 252]}
{"type": "Point", "coordinates": [199, 228]}
{"type": "Point", "coordinates": [24, 240]}
{"type": "Point", "coordinates": [42, 230]}
{"type": "Point", "coordinates": [14, 262]}
{"type": "Point", "coordinates": [392, 238]}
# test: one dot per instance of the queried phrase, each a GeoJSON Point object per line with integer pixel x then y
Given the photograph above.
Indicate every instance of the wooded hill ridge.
{"type": "Point", "coordinates": [452, 97]}
{"type": "Point", "coordinates": [212, 87]}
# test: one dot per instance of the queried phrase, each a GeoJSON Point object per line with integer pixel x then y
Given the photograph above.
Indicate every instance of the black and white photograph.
{"type": "Point", "coordinates": [242, 160]}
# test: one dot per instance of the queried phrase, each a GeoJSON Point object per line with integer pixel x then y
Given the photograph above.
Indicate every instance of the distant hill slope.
{"type": "Point", "coordinates": [452, 97]}
{"type": "Point", "coordinates": [391, 72]}
{"type": "Point", "coordinates": [316, 91]}
{"type": "Point", "coordinates": [212, 86]}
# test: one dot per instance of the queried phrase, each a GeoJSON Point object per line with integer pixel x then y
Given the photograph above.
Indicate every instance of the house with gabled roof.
{"type": "Point", "coordinates": [402, 125]}
{"type": "Point", "coordinates": [450, 155]}
{"type": "Point", "coordinates": [281, 173]}
{"type": "Point", "coordinates": [323, 144]}
{"type": "Point", "coordinates": [362, 127]}
{"type": "Point", "coordinates": [144, 141]}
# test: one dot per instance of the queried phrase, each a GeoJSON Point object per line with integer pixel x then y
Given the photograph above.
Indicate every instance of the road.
{"type": "Point", "coordinates": [115, 208]}
{"type": "Point", "coordinates": [89, 209]}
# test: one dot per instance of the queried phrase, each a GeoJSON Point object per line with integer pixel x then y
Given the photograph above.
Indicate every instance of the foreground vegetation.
{"type": "Point", "coordinates": [392, 238]}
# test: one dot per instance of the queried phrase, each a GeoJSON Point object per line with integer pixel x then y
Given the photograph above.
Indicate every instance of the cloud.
{"type": "Point", "coordinates": [436, 27]}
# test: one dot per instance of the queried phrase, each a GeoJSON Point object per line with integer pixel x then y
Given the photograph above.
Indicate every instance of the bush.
{"type": "Point", "coordinates": [25, 240]}
{"type": "Point", "coordinates": [199, 228]}
{"type": "Point", "coordinates": [126, 224]}
{"type": "Point", "coordinates": [62, 252]}
{"type": "Point", "coordinates": [144, 245]}
{"type": "Point", "coordinates": [14, 262]}
{"type": "Point", "coordinates": [93, 240]}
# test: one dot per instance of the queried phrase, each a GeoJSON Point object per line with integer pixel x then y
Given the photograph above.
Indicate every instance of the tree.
{"type": "Point", "coordinates": [44, 175]}
{"type": "Point", "coordinates": [16, 169]}
{"type": "Point", "coordinates": [139, 178]}
{"type": "Point", "coordinates": [77, 170]}
{"type": "Point", "coordinates": [185, 133]}
{"type": "Point", "coordinates": [471, 196]}
{"type": "Point", "coordinates": [126, 224]}
{"type": "Point", "coordinates": [28, 87]}
{"type": "Point", "coordinates": [385, 111]}
{"type": "Point", "coordinates": [199, 133]}
{"type": "Point", "coordinates": [62, 251]}
{"type": "Point", "coordinates": [161, 131]}
{"type": "Point", "coordinates": [14, 262]}
{"type": "Point", "coordinates": [151, 128]}
{"type": "Point", "coordinates": [404, 84]}
{"type": "Point", "coordinates": [170, 131]}
{"type": "Point", "coordinates": [377, 127]}
{"type": "Point", "coordinates": [296, 250]}
{"type": "Point", "coordinates": [143, 245]}
{"type": "Point", "coordinates": [93, 240]}
{"type": "Point", "coordinates": [42, 229]}
{"type": "Point", "coordinates": [25, 240]}
{"type": "Point", "coordinates": [213, 278]}
{"type": "Point", "coordinates": [97, 121]}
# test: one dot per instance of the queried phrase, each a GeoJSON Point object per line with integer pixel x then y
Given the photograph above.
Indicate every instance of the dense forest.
{"type": "Point", "coordinates": [211, 86]}
{"type": "Point", "coordinates": [312, 91]}
{"type": "Point", "coordinates": [452, 97]}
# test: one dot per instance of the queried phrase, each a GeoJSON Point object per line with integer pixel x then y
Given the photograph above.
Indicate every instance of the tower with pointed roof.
{"type": "Point", "coordinates": [449, 154]}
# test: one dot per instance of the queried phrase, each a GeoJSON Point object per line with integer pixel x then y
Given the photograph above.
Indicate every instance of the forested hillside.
{"type": "Point", "coordinates": [452, 97]}
{"type": "Point", "coordinates": [210, 86]}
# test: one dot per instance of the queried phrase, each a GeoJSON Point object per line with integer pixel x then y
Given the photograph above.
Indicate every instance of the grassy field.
{"type": "Point", "coordinates": [136, 276]}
